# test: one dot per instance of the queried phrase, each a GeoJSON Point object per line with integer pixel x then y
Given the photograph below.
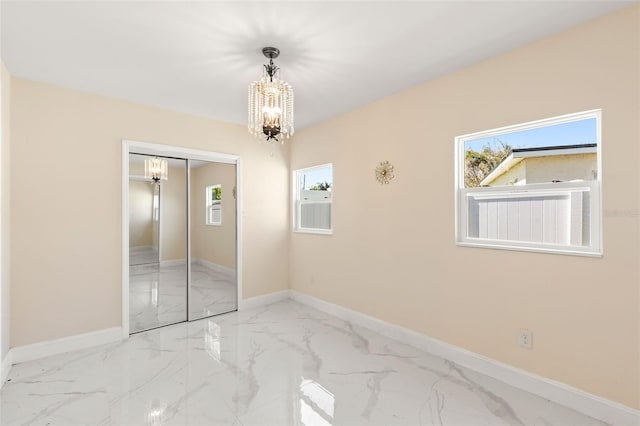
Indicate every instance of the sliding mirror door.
{"type": "Point", "coordinates": [212, 236]}
{"type": "Point", "coordinates": [157, 245]}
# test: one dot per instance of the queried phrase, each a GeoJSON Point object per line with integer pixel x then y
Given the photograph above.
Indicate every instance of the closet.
{"type": "Point", "coordinates": [182, 234]}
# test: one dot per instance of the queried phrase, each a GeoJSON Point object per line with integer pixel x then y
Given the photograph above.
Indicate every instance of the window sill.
{"type": "Point", "coordinates": [498, 246]}
{"type": "Point", "coordinates": [314, 231]}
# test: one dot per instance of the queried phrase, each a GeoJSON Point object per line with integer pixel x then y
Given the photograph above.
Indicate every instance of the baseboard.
{"type": "Point", "coordinates": [66, 344]}
{"type": "Point", "coordinates": [174, 262]}
{"type": "Point", "coordinates": [215, 267]}
{"type": "Point", "coordinates": [568, 396]}
{"type": "Point", "coordinates": [5, 368]}
{"type": "Point", "coordinates": [141, 248]}
{"type": "Point", "coordinates": [265, 299]}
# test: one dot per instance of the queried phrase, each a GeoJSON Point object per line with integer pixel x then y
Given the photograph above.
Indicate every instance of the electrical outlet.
{"type": "Point", "coordinates": [525, 338]}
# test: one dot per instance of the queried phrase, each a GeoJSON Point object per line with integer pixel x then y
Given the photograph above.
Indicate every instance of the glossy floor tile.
{"type": "Point", "coordinates": [158, 294]}
{"type": "Point", "coordinates": [143, 255]}
{"type": "Point", "coordinates": [281, 364]}
{"type": "Point", "coordinates": [213, 291]}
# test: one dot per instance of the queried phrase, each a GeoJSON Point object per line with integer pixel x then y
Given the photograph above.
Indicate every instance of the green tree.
{"type": "Point", "coordinates": [216, 192]}
{"type": "Point", "coordinates": [320, 186]}
{"type": "Point", "coordinates": [478, 164]}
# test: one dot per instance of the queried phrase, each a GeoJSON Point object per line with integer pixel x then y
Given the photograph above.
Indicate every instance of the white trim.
{"type": "Point", "coordinates": [265, 299]}
{"type": "Point", "coordinates": [65, 344]}
{"type": "Point", "coordinates": [576, 116]}
{"type": "Point", "coordinates": [554, 152]}
{"type": "Point", "coordinates": [5, 368]}
{"type": "Point", "coordinates": [595, 247]}
{"type": "Point", "coordinates": [560, 393]}
{"type": "Point", "coordinates": [125, 240]}
{"type": "Point", "coordinates": [140, 248]}
{"type": "Point", "coordinates": [160, 218]}
{"type": "Point", "coordinates": [531, 190]}
{"type": "Point", "coordinates": [214, 266]}
{"type": "Point", "coordinates": [313, 231]}
{"type": "Point", "coordinates": [179, 152]}
{"type": "Point", "coordinates": [173, 262]}
{"type": "Point", "coordinates": [239, 235]}
{"type": "Point", "coordinates": [140, 147]}
{"type": "Point", "coordinates": [297, 203]}
{"type": "Point", "coordinates": [188, 260]}
{"type": "Point", "coordinates": [519, 246]}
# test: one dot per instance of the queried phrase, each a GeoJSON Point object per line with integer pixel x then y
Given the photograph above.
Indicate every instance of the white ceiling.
{"type": "Point", "coordinates": [198, 57]}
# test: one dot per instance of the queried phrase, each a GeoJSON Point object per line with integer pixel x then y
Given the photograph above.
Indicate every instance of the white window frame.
{"type": "Point", "coordinates": [209, 203]}
{"type": "Point", "coordinates": [297, 203]}
{"type": "Point", "coordinates": [594, 188]}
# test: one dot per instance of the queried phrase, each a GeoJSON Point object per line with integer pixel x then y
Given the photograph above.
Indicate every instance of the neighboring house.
{"type": "Point", "coordinates": [545, 164]}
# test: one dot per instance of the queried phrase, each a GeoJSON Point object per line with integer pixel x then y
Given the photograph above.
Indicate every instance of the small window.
{"type": "Point", "coordinates": [534, 186]}
{"type": "Point", "coordinates": [313, 199]}
{"type": "Point", "coordinates": [213, 204]}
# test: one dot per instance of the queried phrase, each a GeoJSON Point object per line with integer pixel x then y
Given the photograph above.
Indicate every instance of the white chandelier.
{"type": "Point", "coordinates": [156, 169]}
{"type": "Point", "coordinates": [271, 103]}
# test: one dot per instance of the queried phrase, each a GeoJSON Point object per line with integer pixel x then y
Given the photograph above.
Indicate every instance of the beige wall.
{"type": "Point", "coordinates": [519, 172]}
{"type": "Point", "coordinates": [398, 261]}
{"type": "Point", "coordinates": [67, 269]}
{"type": "Point", "coordinates": [136, 168]}
{"type": "Point", "coordinates": [561, 167]}
{"type": "Point", "coordinates": [5, 191]}
{"type": "Point", "coordinates": [549, 168]}
{"type": "Point", "coordinates": [140, 213]}
{"type": "Point", "coordinates": [213, 243]}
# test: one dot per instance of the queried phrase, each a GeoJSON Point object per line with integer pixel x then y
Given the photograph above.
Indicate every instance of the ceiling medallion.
{"type": "Point", "coordinates": [384, 172]}
{"type": "Point", "coordinates": [271, 103]}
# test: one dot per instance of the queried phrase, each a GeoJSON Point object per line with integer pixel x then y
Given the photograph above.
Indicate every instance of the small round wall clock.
{"type": "Point", "coordinates": [384, 172]}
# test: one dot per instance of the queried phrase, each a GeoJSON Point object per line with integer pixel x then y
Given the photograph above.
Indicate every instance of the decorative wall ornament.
{"type": "Point", "coordinates": [384, 172]}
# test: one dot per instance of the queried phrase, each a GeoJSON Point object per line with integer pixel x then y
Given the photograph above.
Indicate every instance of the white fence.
{"type": "Point", "coordinates": [315, 209]}
{"type": "Point", "coordinates": [549, 217]}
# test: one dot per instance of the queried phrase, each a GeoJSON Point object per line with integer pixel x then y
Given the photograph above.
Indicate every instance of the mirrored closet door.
{"type": "Point", "coordinates": [158, 272]}
{"type": "Point", "coordinates": [182, 240]}
{"type": "Point", "coordinates": [212, 237]}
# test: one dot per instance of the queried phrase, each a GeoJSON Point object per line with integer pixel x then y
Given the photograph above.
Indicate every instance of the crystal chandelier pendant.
{"type": "Point", "coordinates": [156, 169]}
{"type": "Point", "coordinates": [271, 103]}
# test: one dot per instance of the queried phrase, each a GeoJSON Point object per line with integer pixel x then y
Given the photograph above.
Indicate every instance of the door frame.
{"type": "Point", "coordinates": [139, 147]}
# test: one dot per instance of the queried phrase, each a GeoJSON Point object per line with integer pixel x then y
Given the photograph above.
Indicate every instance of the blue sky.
{"type": "Point", "coordinates": [312, 177]}
{"type": "Point", "coordinates": [573, 133]}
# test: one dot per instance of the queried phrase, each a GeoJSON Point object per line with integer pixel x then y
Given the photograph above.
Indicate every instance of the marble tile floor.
{"type": "Point", "coordinates": [158, 294]}
{"type": "Point", "coordinates": [281, 364]}
{"type": "Point", "coordinates": [212, 291]}
{"type": "Point", "coordinates": [142, 255]}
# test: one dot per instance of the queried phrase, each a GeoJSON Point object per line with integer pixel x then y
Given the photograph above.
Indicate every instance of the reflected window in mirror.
{"type": "Point", "coordinates": [213, 214]}
{"type": "Point", "coordinates": [156, 203]}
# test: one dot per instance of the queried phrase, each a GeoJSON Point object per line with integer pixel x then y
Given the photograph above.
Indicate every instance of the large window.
{"type": "Point", "coordinates": [534, 186]}
{"type": "Point", "coordinates": [313, 192]}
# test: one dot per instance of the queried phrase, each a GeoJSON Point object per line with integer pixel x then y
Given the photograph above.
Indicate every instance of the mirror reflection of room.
{"type": "Point", "coordinates": [213, 239]}
{"type": "Point", "coordinates": [144, 205]}
{"type": "Point", "coordinates": [157, 242]}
